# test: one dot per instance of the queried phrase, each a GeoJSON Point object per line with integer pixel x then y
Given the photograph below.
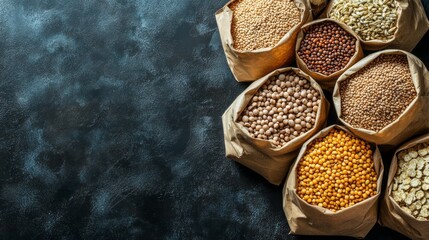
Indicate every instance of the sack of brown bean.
{"type": "Point", "coordinates": [405, 205]}
{"type": "Point", "coordinates": [325, 49]}
{"type": "Point", "coordinates": [384, 97]}
{"type": "Point", "coordinates": [267, 124]}
{"type": "Point", "coordinates": [259, 36]}
{"type": "Point", "coordinates": [334, 185]}
{"type": "Point", "coordinates": [383, 24]}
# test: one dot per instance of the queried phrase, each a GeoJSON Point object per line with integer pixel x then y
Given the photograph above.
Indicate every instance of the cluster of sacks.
{"type": "Point", "coordinates": [274, 162]}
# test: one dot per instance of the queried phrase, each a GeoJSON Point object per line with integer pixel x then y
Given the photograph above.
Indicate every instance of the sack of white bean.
{"type": "Point", "coordinates": [405, 205]}
{"type": "Point", "coordinates": [398, 24]}
{"type": "Point", "coordinates": [334, 185]}
{"type": "Point", "coordinates": [259, 36]}
{"type": "Point", "coordinates": [267, 124]}
{"type": "Point", "coordinates": [325, 49]}
{"type": "Point", "coordinates": [384, 97]}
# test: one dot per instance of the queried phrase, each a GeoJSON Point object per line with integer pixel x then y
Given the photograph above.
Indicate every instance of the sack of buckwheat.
{"type": "Point", "coordinates": [259, 36]}
{"type": "Point", "coordinates": [381, 24]}
{"type": "Point", "coordinates": [405, 205]}
{"type": "Point", "coordinates": [384, 97]}
{"type": "Point", "coordinates": [267, 124]}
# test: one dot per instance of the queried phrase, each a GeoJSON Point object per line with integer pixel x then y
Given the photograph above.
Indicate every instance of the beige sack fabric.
{"type": "Point", "coordinates": [412, 25]}
{"type": "Point", "coordinates": [391, 214]}
{"type": "Point", "coordinates": [260, 155]}
{"type": "Point", "coordinates": [327, 82]}
{"type": "Point", "coordinates": [249, 66]}
{"type": "Point", "coordinates": [317, 7]}
{"type": "Point", "coordinates": [305, 219]}
{"type": "Point", "coordinates": [413, 120]}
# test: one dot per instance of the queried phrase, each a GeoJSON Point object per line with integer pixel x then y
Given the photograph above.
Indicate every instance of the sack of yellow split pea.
{"type": "Point", "coordinates": [334, 185]}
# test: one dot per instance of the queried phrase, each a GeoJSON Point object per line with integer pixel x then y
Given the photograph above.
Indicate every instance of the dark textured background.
{"type": "Point", "coordinates": [110, 125]}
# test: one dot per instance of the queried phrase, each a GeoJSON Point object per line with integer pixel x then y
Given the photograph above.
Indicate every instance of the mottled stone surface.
{"type": "Point", "coordinates": [110, 126]}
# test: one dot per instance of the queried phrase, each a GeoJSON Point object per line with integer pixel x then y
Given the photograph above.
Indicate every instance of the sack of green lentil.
{"type": "Point", "coordinates": [405, 205]}
{"type": "Point", "coordinates": [334, 185]}
{"type": "Point", "coordinates": [325, 49]}
{"type": "Point", "coordinates": [267, 124]}
{"type": "Point", "coordinates": [384, 24]}
{"type": "Point", "coordinates": [384, 97]}
{"type": "Point", "coordinates": [259, 36]}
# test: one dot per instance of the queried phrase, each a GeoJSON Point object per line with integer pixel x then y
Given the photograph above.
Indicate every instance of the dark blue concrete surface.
{"type": "Point", "coordinates": [110, 126]}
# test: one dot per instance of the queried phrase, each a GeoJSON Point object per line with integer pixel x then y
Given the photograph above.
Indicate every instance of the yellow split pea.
{"type": "Point", "coordinates": [337, 171]}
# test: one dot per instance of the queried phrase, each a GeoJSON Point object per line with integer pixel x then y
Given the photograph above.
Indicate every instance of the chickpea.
{"type": "Point", "coordinates": [266, 119]}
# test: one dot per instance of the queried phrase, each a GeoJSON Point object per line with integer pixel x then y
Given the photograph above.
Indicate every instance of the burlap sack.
{"type": "Point", "coordinates": [327, 82]}
{"type": "Point", "coordinates": [305, 219]}
{"type": "Point", "coordinates": [260, 155]}
{"type": "Point", "coordinates": [391, 214]}
{"type": "Point", "coordinates": [413, 120]}
{"type": "Point", "coordinates": [249, 66]}
{"type": "Point", "coordinates": [317, 7]}
{"type": "Point", "coordinates": [412, 25]}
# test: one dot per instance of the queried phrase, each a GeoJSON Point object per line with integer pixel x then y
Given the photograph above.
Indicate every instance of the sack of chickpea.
{"type": "Point", "coordinates": [267, 124]}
